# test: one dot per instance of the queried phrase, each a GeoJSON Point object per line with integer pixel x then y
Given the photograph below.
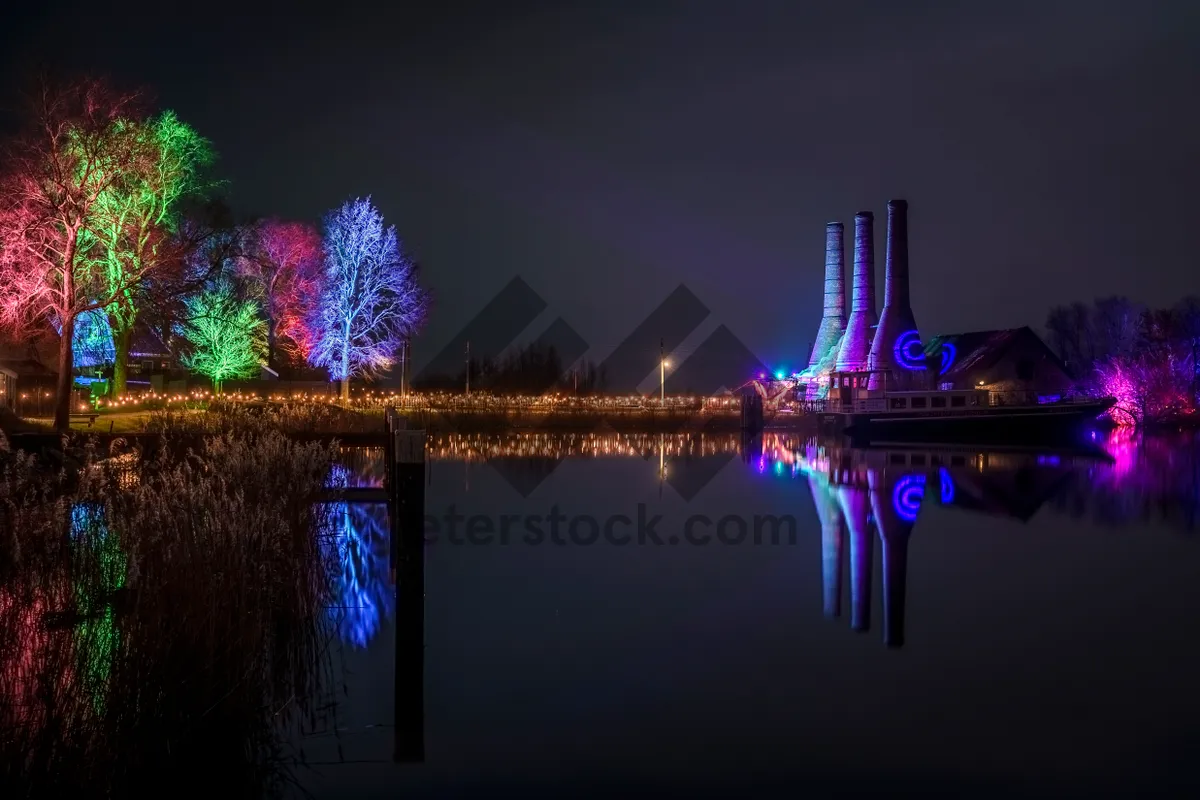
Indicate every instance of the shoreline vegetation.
{"type": "Point", "coordinates": [166, 611]}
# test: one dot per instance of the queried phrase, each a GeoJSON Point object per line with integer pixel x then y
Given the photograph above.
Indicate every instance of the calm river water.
{"type": "Point", "coordinates": [963, 620]}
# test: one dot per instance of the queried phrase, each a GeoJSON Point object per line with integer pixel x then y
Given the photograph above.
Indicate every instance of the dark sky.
{"type": "Point", "coordinates": [607, 152]}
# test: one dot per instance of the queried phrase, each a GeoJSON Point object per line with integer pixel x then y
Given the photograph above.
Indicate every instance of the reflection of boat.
{"type": "Point", "coordinates": [864, 413]}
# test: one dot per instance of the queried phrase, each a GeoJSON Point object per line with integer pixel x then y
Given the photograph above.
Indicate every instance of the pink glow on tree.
{"type": "Point", "coordinates": [82, 142]}
{"type": "Point", "coordinates": [283, 264]}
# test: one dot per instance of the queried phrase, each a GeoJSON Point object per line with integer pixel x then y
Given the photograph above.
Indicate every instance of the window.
{"type": "Point", "coordinates": [896, 458]}
{"type": "Point", "coordinates": [919, 402]}
{"type": "Point", "coordinates": [974, 399]}
{"type": "Point", "coordinates": [917, 460]}
{"type": "Point", "coordinates": [958, 401]}
{"type": "Point", "coordinates": [1024, 370]}
{"type": "Point", "coordinates": [937, 402]}
{"type": "Point", "coordinates": [899, 402]}
{"type": "Point", "coordinates": [958, 461]}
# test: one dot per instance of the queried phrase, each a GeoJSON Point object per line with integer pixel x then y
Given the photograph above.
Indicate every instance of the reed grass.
{"type": "Point", "coordinates": [163, 614]}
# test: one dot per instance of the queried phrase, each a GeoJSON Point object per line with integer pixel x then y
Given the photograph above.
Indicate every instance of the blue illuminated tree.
{"type": "Point", "coordinates": [91, 340]}
{"type": "Point", "coordinates": [370, 301]}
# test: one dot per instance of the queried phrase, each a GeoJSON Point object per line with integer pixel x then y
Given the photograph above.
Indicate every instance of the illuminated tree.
{"type": "Point", "coordinates": [227, 335]}
{"type": "Point", "coordinates": [282, 264]}
{"type": "Point", "coordinates": [371, 300]}
{"type": "Point", "coordinates": [137, 223]}
{"type": "Point", "coordinates": [79, 144]}
{"type": "Point", "coordinates": [93, 339]}
{"type": "Point", "coordinates": [85, 196]}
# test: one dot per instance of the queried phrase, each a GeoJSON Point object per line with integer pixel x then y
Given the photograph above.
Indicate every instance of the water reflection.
{"type": "Point", "coordinates": [365, 596]}
{"type": "Point", "coordinates": [1118, 479]}
{"type": "Point", "coordinates": [357, 468]}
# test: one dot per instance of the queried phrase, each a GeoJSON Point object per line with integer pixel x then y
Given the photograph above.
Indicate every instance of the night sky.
{"type": "Point", "coordinates": [607, 152]}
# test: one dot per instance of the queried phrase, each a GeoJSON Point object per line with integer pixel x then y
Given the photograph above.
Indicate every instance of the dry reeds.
{"type": "Point", "coordinates": [162, 616]}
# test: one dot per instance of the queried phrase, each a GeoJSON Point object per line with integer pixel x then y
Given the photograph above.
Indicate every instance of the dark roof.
{"type": "Point", "coordinates": [25, 368]}
{"type": "Point", "coordinates": [980, 350]}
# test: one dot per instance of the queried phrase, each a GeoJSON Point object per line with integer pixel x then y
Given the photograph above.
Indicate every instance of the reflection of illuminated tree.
{"type": "Point", "coordinates": [96, 634]}
{"type": "Point", "coordinates": [1150, 478]}
{"type": "Point", "coordinates": [357, 467]}
{"type": "Point", "coordinates": [364, 592]}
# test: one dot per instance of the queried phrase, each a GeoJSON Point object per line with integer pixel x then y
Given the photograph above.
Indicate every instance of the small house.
{"type": "Point", "coordinates": [27, 387]}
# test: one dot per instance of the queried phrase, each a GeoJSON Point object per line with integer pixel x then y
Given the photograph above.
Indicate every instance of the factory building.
{"type": "Point", "coordinates": [888, 343]}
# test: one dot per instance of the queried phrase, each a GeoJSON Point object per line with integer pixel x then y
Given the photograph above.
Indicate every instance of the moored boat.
{"type": "Point", "coordinates": [879, 414]}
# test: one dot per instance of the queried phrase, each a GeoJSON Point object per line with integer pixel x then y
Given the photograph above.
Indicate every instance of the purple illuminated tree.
{"type": "Point", "coordinates": [370, 301]}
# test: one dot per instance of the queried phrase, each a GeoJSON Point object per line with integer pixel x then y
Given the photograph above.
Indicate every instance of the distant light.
{"type": "Point", "coordinates": [762, 375]}
{"type": "Point", "coordinates": [981, 383]}
{"type": "Point", "coordinates": [779, 374]}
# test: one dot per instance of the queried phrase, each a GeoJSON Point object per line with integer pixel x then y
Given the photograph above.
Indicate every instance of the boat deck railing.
{"type": "Point", "coordinates": [874, 405]}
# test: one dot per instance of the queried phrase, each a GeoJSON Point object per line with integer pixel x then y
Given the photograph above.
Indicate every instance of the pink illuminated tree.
{"type": "Point", "coordinates": [80, 142]}
{"type": "Point", "coordinates": [371, 299]}
{"type": "Point", "coordinates": [282, 264]}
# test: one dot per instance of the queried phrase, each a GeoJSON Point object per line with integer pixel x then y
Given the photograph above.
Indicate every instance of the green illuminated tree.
{"type": "Point", "coordinates": [227, 334]}
{"type": "Point", "coordinates": [87, 190]}
{"type": "Point", "coordinates": [138, 223]}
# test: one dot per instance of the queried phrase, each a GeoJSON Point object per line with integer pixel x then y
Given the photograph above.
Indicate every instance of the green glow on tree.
{"type": "Point", "coordinates": [137, 217]}
{"type": "Point", "coordinates": [227, 333]}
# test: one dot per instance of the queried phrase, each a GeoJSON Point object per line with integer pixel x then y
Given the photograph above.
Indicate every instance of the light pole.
{"type": "Point", "coordinates": [468, 391]}
{"type": "Point", "coordinates": [662, 374]}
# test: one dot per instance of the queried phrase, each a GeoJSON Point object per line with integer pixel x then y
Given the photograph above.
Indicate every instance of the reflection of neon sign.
{"type": "Point", "coordinates": [947, 486]}
{"type": "Point", "coordinates": [907, 496]}
{"type": "Point", "coordinates": [908, 351]}
{"type": "Point", "coordinates": [948, 353]}
{"type": "Point", "coordinates": [364, 595]}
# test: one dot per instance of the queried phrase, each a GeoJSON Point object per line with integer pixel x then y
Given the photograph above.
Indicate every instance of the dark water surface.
{"type": "Point", "coordinates": [945, 620]}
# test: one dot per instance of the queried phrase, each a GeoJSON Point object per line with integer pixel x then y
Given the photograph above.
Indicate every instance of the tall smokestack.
{"type": "Point", "coordinates": [833, 320]}
{"type": "Point", "coordinates": [856, 345]}
{"type": "Point", "coordinates": [897, 345]}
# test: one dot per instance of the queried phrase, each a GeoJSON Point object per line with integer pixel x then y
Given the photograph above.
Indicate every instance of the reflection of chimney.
{"type": "Point", "coordinates": [895, 510]}
{"type": "Point", "coordinates": [830, 514]}
{"type": "Point", "coordinates": [856, 345]}
{"type": "Point", "coordinates": [855, 509]}
{"type": "Point", "coordinates": [895, 571]}
{"type": "Point", "coordinates": [833, 320]}
{"type": "Point", "coordinates": [897, 343]}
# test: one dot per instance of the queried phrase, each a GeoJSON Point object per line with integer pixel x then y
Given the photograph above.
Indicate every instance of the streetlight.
{"type": "Point", "coordinates": [662, 381]}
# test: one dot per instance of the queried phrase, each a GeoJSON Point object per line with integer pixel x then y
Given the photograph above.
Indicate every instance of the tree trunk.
{"type": "Point", "coordinates": [216, 387]}
{"type": "Point", "coordinates": [66, 377]}
{"type": "Point", "coordinates": [122, 341]}
{"type": "Point", "coordinates": [271, 326]}
{"type": "Point", "coordinates": [346, 367]}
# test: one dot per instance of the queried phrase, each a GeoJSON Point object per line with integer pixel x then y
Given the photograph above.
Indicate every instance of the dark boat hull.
{"type": "Point", "coordinates": [1014, 424]}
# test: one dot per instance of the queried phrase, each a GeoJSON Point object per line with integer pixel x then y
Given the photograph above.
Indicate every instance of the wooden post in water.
{"type": "Point", "coordinates": [406, 513]}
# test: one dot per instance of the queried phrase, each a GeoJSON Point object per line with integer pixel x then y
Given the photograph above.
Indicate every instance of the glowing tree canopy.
{"type": "Point", "coordinates": [282, 263]}
{"type": "Point", "coordinates": [228, 337]}
{"type": "Point", "coordinates": [84, 147]}
{"type": "Point", "coordinates": [370, 301]}
{"type": "Point", "coordinates": [137, 222]}
{"type": "Point", "coordinates": [93, 339]}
